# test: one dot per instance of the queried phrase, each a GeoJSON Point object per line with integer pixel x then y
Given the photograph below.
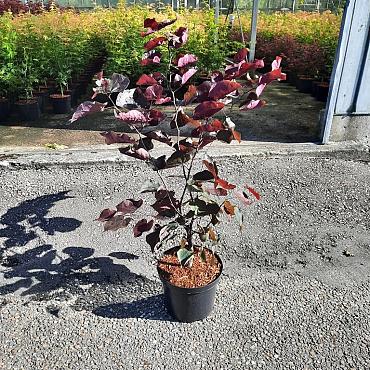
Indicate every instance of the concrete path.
{"type": "Point", "coordinates": [295, 293]}
{"type": "Point", "coordinates": [290, 116]}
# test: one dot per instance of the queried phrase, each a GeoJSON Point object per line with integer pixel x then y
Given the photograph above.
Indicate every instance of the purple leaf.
{"type": "Point", "coordinates": [267, 78]}
{"type": "Point", "coordinates": [152, 44]}
{"type": "Point", "coordinates": [146, 80]}
{"type": "Point", "coordinates": [153, 57]}
{"type": "Point", "coordinates": [153, 25]}
{"type": "Point", "coordinates": [132, 116]}
{"type": "Point", "coordinates": [86, 108]}
{"type": "Point", "coordinates": [223, 88]}
{"type": "Point", "coordinates": [140, 153]}
{"type": "Point", "coordinates": [179, 38]}
{"type": "Point", "coordinates": [241, 55]}
{"type": "Point", "coordinates": [117, 222]}
{"type": "Point", "coordinates": [113, 138]}
{"type": "Point", "coordinates": [155, 117]}
{"type": "Point", "coordinates": [153, 238]}
{"type": "Point", "coordinates": [276, 63]}
{"type": "Point", "coordinates": [106, 214]}
{"type": "Point", "coordinates": [187, 75]}
{"type": "Point", "coordinates": [129, 206]}
{"type": "Point", "coordinates": [187, 59]}
{"type": "Point", "coordinates": [203, 91]}
{"type": "Point", "coordinates": [159, 136]}
{"type": "Point", "coordinates": [142, 226]}
{"type": "Point", "coordinates": [207, 109]}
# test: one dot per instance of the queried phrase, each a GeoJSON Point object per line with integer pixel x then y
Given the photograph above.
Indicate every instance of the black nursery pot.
{"type": "Point", "coordinates": [190, 304]}
{"type": "Point", "coordinates": [304, 84]}
{"type": "Point", "coordinates": [4, 109]}
{"type": "Point", "coordinates": [322, 91]}
{"type": "Point", "coordinates": [61, 103]}
{"type": "Point", "coordinates": [28, 110]}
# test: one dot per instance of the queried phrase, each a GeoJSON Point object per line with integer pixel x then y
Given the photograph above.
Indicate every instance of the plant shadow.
{"type": "Point", "coordinates": [150, 308]}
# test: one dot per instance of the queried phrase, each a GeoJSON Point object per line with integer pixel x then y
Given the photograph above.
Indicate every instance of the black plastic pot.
{"type": "Point", "coordinates": [61, 103]}
{"type": "Point", "coordinates": [304, 84]}
{"type": "Point", "coordinates": [190, 304]}
{"type": "Point", "coordinates": [322, 91]}
{"type": "Point", "coordinates": [4, 109]}
{"type": "Point", "coordinates": [28, 110]}
{"type": "Point", "coordinates": [43, 99]}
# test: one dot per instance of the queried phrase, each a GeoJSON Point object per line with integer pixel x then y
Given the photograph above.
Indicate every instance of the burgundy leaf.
{"type": "Point", "coordinates": [129, 206]}
{"type": "Point", "coordinates": [181, 119]}
{"type": "Point", "coordinates": [205, 141]}
{"type": "Point", "coordinates": [224, 184]}
{"type": "Point", "coordinates": [267, 78]}
{"type": "Point", "coordinates": [155, 117]}
{"type": "Point", "coordinates": [153, 92]}
{"type": "Point", "coordinates": [162, 101]}
{"type": "Point", "coordinates": [179, 38]}
{"type": "Point", "coordinates": [186, 60]}
{"type": "Point", "coordinates": [86, 108]}
{"type": "Point", "coordinates": [140, 153]}
{"type": "Point", "coordinates": [166, 203]}
{"type": "Point", "coordinates": [241, 55]}
{"type": "Point", "coordinates": [211, 168]}
{"type": "Point", "coordinates": [187, 75]}
{"type": "Point", "coordinates": [142, 226]}
{"type": "Point", "coordinates": [207, 109]}
{"type": "Point", "coordinates": [153, 57]}
{"type": "Point", "coordinates": [223, 88]}
{"type": "Point", "coordinates": [153, 238]}
{"type": "Point", "coordinates": [117, 222]}
{"type": "Point", "coordinates": [214, 126]}
{"type": "Point", "coordinates": [177, 158]}
{"type": "Point", "coordinates": [151, 23]}
{"type": "Point", "coordinates": [106, 214]}
{"type": "Point", "coordinates": [253, 104]}
{"type": "Point", "coordinates": [113, 138]}
{"type": "Point", "coordinates": [216, 76]}
{"type": "Point", "coordinates": [190, 95]}
{"type": "Point", "coordinates": [146, 80]}
{"type": "Point", "coordinates": [152, 44]}
{"type": "Point", "coordinates": [254, 192]}
{"type": "Point", "coordinates": [159, 136]}
{"type": "Point", "coordinates": [132, 116]}
{"type": "Point", "coordinates": [225, 136]}
{"type": "Point", "coordinates": [203, 91]}
{"type": "Point", "coordinates": [140, 99]}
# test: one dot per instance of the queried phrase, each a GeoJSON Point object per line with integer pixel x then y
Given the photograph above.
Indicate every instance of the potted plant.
{"type": "Point", "coordinates": [185, 220]}
{"type": "Point", "coordinates": [61, 101]}
{"type": "Point", "coordinates": [27, 106]}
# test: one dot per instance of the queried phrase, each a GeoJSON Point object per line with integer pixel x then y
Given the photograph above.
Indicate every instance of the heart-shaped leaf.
{"type": "Point", "coordinates": [207, 109]}
{"type": "Point", "coordinates": [152, 44]}
{"type": "Point", "coordinates": [145, 80]}
{"type": "Point", "coordinates": [184, 256]}
{"type": "Point", "coordinates": [129, 206]}
{"type": "Point", "coordinates": [223, 88]}
{"type": "Point", "coordinates": [113, 138]}
{"type": "Point", "coordinates": [117, 222]}
{"type": "Point", "coordinates": [86, 108]}
{"type": "Point", "coordinates": [142, 226]}
{"type": "Point", "coordinates": [106, 214]}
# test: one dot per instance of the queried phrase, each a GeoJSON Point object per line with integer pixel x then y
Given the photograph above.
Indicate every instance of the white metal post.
{"type": "Point", "coordinates": [252, 44]}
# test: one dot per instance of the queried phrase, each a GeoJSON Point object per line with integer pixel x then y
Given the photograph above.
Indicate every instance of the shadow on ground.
{"type": "Point", "coordinates": [151, 308]}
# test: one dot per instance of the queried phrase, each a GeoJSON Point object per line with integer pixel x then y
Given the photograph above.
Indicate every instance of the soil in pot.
{"type": "Point", "coordinates": [61, 103]}
{"type": "Point", "coordinates": [28, 110]}
{"type": "Point", "coordinates": [4, 109]}
{"type": "Point", "coordinates": [189, 291]}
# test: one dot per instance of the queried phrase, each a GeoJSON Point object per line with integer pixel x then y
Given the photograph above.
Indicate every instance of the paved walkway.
{"type": "Point", "coordinates": [289, 117]}
{"type": "Point", "coordinates": [295, 293]}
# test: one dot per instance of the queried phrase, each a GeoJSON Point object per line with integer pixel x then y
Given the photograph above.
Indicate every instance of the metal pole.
{"type": "Point", "coordinates": [252, 44]}
{"type": "Point", "coordinates": [293, 6]}
{"type": "Point", "coordinates": [197, 4]}
{"type": "Point", "coordinates": [217, 16]}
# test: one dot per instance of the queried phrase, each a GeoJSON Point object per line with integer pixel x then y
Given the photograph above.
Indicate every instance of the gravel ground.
{"type": "Point", "coordinates": [295, 293]}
